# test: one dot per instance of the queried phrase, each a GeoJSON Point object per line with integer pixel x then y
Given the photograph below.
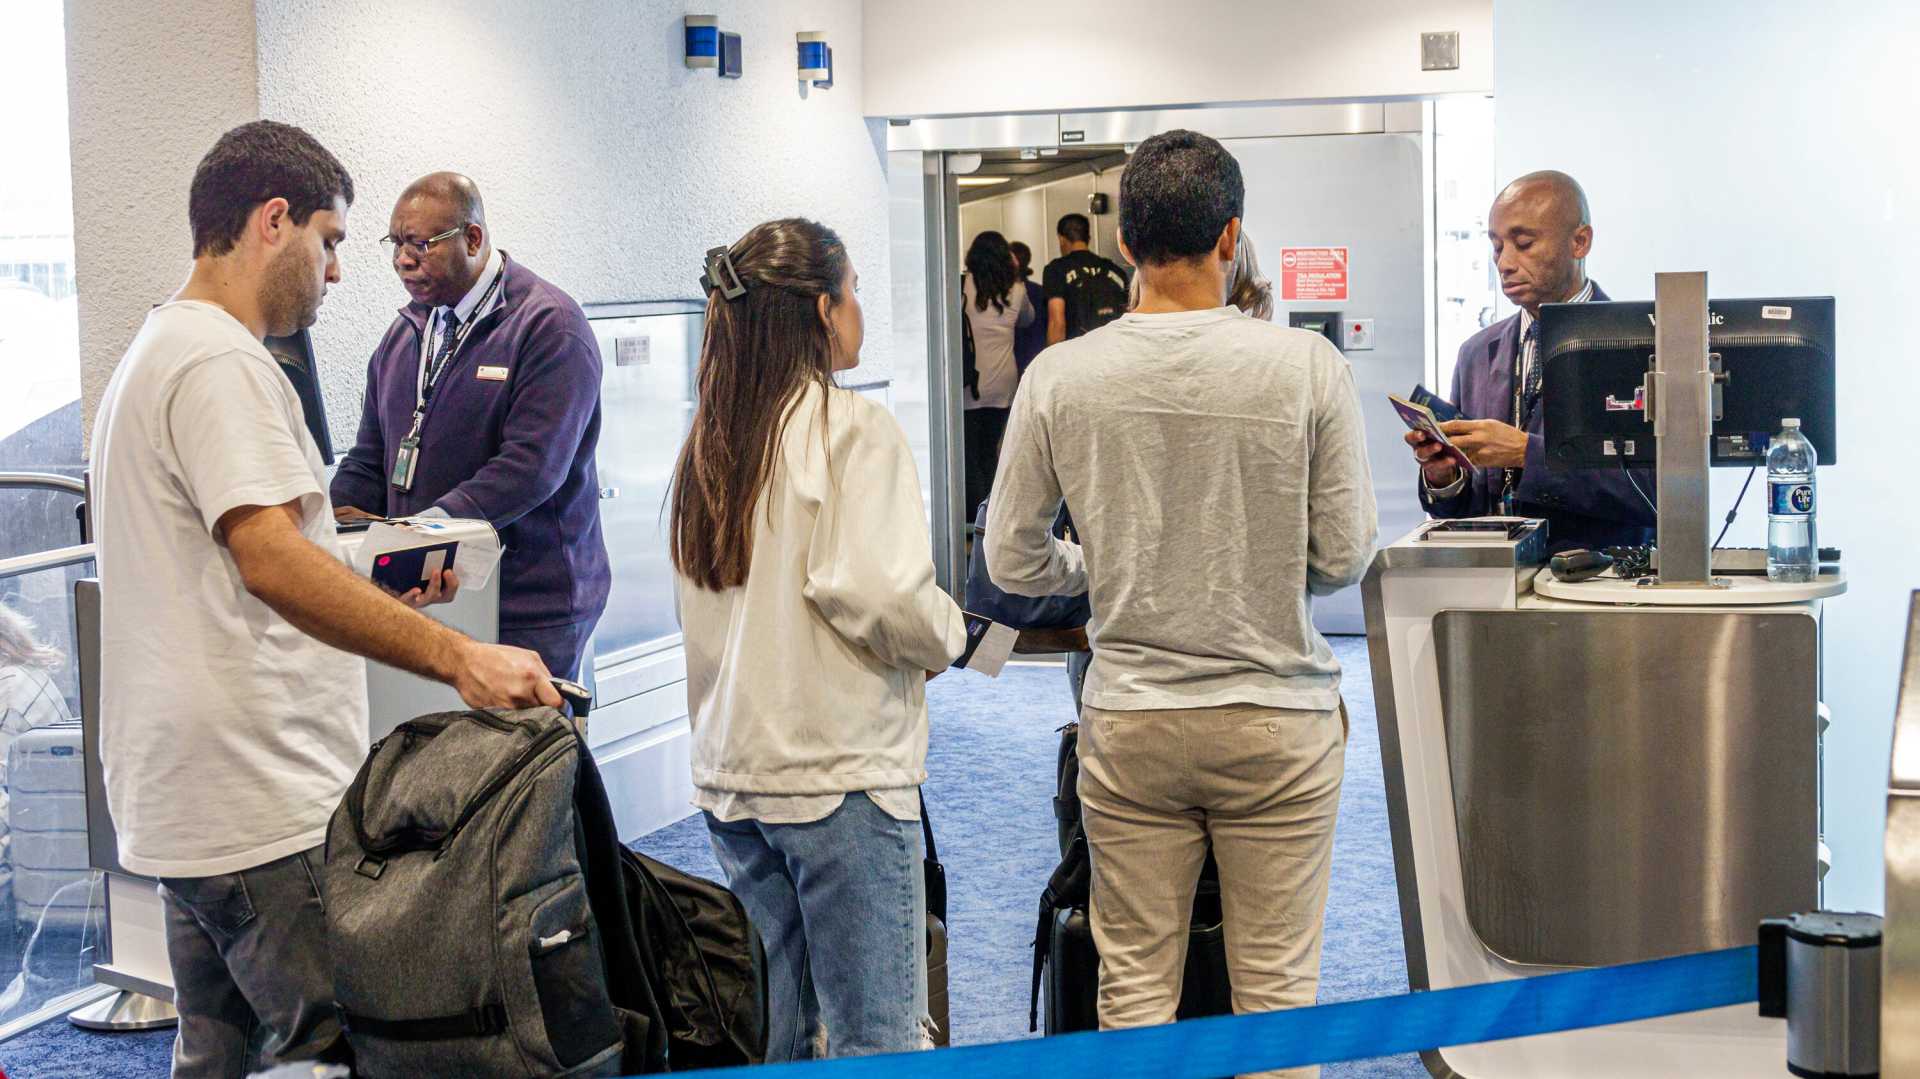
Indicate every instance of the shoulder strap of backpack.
{"type": "Point", "coordinates": [926, 829]}
{"type": "Point", "coordinates": [969, 356]}
{"type": "Point", "coordinates": [597, 844]}
{"type": "Point", "coordinates": [1069, 887]}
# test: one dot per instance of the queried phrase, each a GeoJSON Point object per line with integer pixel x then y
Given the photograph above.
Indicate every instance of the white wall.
{"type": "Point", "coordinates": [1723, 136]}
{"type": "Point", "coordinates": [608, 166]}
{"type": "Point", "coordinates": [934, 58]}
{"type": "Point", "coordinates": [145, 99]}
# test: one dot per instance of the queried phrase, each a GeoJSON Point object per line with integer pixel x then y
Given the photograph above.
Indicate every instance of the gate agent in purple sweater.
{"type": "Point", "coordinates": [483, 401]}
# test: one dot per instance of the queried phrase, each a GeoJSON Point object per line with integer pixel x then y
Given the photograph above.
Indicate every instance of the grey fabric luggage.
{"type": "Point", "coordinates": [476, 911]}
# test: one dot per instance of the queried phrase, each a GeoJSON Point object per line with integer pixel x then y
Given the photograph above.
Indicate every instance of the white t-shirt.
{"type": "Point", "coordinates": [227, 735]}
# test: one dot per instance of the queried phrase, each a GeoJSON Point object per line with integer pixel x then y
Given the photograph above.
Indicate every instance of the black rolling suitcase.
{"type": "Point", "coordinates": [1066, 964]}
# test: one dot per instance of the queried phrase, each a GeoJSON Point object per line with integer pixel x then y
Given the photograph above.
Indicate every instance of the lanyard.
{"type": "Point", "coordinates": [1511, 476]}
{"type": "Point", "coordinates": [430, 371]}
{"type": "Point", "coordinates": [406, 459]}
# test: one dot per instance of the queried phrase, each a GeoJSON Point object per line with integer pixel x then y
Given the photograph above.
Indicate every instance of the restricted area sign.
{"type": "Point", "coordinates": [1313, 273]}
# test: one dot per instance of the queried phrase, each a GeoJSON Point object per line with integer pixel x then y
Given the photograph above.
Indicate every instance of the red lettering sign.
{"type": "Point", "coordinates": [1313, 273]}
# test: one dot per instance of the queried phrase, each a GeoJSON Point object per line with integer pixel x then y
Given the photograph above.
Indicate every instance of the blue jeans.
{"type": "Point", "coordinates": [841, 905]}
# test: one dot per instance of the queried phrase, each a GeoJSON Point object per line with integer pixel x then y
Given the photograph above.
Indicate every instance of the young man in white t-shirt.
{"type": "Point", "coordinates": [233, 701]}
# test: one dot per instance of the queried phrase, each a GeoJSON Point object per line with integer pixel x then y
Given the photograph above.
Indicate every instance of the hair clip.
{"type": "Point", "coordinates": [721, 275]}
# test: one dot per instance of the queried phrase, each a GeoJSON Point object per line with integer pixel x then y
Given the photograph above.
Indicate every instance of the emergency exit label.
{"type": "Point", "coordinates": [1313, 273]}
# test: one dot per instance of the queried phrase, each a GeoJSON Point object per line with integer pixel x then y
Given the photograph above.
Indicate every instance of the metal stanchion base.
{"type": "Point", "coordinates": [125, 1010]}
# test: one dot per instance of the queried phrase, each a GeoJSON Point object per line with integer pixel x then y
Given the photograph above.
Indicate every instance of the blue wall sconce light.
{"type": "Point", "coordinates": [816, 59]}
{"type": "Point", "coordinates": [710, 46]}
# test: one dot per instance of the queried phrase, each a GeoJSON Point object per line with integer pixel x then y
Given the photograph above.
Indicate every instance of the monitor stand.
{"type": "Point", "coordinates": [1680, 405]}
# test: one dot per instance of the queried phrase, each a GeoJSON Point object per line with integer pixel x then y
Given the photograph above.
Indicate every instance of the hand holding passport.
{"type": "Point", "coordinates": [1424, 414]}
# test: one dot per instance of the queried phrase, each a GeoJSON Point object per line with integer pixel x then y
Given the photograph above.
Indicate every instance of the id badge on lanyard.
{"type": "Point", "coordinates": [406, 460]}
{"type": "Point", "coordinates": [1509, 476]}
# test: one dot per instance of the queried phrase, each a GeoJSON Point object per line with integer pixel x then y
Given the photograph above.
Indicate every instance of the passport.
{"type": "Point", "coordinates": [402, 571]}
{"type": "Point", "coordinates": [1443, 410]}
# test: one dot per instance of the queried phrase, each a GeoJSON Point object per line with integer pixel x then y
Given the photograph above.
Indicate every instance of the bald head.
{"type": "Point", "coordinates": [1541, 232]}
{"type": "Point", "coordinates": [444, 208]}
{"type": "Point", "coordinates": [1558, 191]}
{"type": "Point", "coordinates": [459, 193]}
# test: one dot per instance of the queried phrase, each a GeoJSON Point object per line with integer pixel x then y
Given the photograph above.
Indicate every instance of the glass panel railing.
{"type": "Point", "coordinates": [51, 904]}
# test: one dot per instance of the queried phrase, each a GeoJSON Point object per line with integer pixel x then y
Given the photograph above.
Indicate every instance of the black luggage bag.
{"type": "Point", "coordinates": [1066, 964]}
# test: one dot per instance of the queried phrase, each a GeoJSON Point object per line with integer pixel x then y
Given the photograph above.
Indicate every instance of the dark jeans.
{"type": "Point", "coordinates": [982, 432]}
{"type": "Point", "coordinates": [561, 648]}
{"type": "Point", "coordinates": [251, 968]}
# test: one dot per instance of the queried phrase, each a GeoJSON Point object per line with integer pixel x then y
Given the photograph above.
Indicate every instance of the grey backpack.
{"type": "Point", "coordinates": [475, 909]}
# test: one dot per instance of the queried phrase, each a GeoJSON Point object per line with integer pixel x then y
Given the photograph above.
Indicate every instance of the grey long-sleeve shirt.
{"type": "Point", "coordinates": [1216, 469]}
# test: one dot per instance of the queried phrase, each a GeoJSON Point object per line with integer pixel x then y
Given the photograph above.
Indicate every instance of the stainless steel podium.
{"type": "Point", "coordinates": [1593, 780]}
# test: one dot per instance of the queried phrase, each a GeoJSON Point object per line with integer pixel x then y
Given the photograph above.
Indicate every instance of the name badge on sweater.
{"type": "Point", "coordinates": [491, 374]}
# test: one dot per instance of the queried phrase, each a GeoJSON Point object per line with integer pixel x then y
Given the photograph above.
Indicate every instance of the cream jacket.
{"type": "Point", "coordinates": [811, 677]}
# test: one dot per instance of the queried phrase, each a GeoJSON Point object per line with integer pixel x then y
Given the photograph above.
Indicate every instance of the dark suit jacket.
{"type": "Point", "coordinates": [1587, 507]}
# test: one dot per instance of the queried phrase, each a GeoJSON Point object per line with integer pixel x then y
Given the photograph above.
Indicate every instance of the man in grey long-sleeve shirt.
{"type": "Point", "coordinates": [1216, 472]}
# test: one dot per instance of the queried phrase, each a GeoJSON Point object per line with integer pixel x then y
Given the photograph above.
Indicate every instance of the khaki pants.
{"type": "Point", "coordinates": [1264, 785]}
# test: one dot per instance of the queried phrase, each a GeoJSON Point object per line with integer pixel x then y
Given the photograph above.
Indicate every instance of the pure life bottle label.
{"type": "Point", "coordinates": [1789, 499]}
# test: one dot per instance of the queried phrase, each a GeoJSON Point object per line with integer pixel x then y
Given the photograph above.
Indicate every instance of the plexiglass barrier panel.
{"type": "Point", "coordinates": [648, 353]}
{"type": "Point", "coordinates": [51, 903]}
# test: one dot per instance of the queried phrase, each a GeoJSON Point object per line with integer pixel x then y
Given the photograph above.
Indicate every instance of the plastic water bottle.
{"type": "Point", "coordinates": [1793, 554]}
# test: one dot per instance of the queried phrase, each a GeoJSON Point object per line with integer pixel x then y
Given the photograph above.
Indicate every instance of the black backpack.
{"type": "Point", "coordinates": [705, 960]}
{"type": "Point", "coordinates": [1096, 295]}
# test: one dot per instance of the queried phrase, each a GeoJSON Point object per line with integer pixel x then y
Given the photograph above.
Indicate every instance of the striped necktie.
{"type": "Point", "coordinates": [1536, 369]}
{"type": "Point", "coordinates": [449, 327]}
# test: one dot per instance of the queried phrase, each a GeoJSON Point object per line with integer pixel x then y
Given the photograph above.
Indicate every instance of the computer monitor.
{"type": "Point", "coordinates": [295, 353]}
{"type": "Point", "coordinates": [1777, 355]}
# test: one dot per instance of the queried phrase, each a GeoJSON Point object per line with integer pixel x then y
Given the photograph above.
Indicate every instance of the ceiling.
{"type": "Point", "coordinates": [1009, 162]}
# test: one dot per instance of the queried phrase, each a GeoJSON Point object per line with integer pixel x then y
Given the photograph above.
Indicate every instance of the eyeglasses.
{"type": "Point", "coordinates": [417, 248]}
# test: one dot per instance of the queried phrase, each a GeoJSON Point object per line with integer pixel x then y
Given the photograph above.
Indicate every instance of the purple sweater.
{"type": "Point", "coordinates": [516, 452]}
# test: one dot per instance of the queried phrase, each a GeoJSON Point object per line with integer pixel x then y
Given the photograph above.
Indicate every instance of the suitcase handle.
{"type": "Point", "coordinates": [575, 694]}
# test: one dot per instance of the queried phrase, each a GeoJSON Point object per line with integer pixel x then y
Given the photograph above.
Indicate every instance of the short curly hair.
{"type": "Point", "coordinates": [254, 163]}
{"type": "Point", "coordinates": [1177, 194]}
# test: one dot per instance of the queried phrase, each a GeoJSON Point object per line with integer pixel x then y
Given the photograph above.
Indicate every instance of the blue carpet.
{"type": "Point", "coordinates": [990, 794]}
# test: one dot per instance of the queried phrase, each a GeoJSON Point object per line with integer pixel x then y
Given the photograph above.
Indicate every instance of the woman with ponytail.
{"type": "Point", "coordinates": [812, 623]}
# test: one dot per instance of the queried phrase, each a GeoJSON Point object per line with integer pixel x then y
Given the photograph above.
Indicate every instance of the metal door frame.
{"type": "Point", "coordinates": [949, 148]}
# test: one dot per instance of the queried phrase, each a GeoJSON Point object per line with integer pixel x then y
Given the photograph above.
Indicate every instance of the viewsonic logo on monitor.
{"type": "Point", "coordinates": [1713, 319]}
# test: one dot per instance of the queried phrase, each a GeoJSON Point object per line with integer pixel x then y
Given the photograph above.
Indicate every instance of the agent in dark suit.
{"type": "Point", "coordinates": [1541, 233]}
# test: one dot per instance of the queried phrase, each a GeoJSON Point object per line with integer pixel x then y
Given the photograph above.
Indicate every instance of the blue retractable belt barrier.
{"type": "Point", "coordinates": [1354, 1030]}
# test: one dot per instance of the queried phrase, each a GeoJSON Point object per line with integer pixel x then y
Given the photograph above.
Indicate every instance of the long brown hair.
{"type": "Point", "coordinates": [990, 264]}
{"type": "Point", "coordinates": [761, 351]}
